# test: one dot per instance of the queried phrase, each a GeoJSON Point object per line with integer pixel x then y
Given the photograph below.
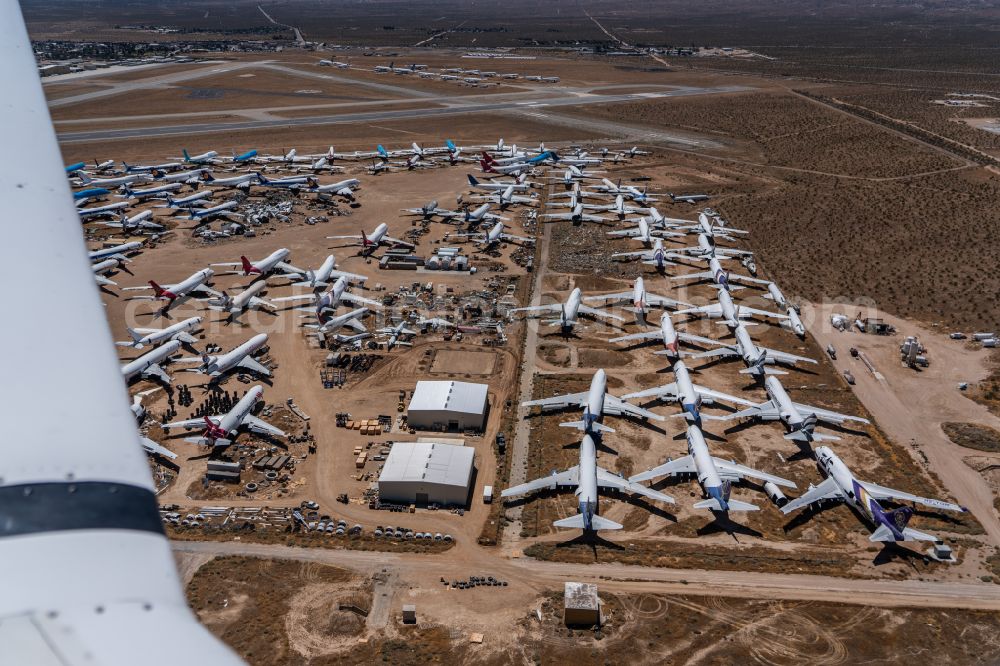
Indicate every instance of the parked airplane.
{"type": "Point", "coordinates": [655, 256]}
{"type": "Point", "coordinates": [371, 242]}
{"type": "Point", "coordinates": [569, 311]}
{"type": "Point", "coordinates": [180, 292]}
{"type": "Point", "coordinates": [180, 331]}
{"type": "Point", "coordinates": [398, 334]}
{"type": "Point", "coordinates": [118, 252]}
{"type": "Point", "coordinates": [720, 277]}
{"type": "Point", "coordinates": [504, 198]}
{"type": "Point", "coordinates": [266, 266]}
{"type": "Point", "coordinates": [618, 207]}
{"type": "Point", "coordinates": [204, 158]}
{"type": "Point", "coordinates": [243, 181]}
{"type": "Point", "coordinates": [595, 402]}
{"type": "Point", "coordinates": [330, 299]}
{"type": "Point", "coordinates": [137, 224]}
{"type": "Point", "coordinates": [706, 247]}
{"type": "Point", "coordinates": [77, 166]}
{"type": "Point", "coordinates": [152, 168]}
{"type": "Point", "coordinates": [729, 312]}
{"type": "Point", "coordinates": [687, 198]}
{"type": "Point", "coordinates": [799, 420]}
{"type": "Point", "coordinates": [192, 177]}
{"type": "Point", "coordinates": [247, 157]}
{"type": "Point", "coordinates": [576, 216]}
{"type": "Point", "coordinates": [713, 231]}
{"type": "Point", "coordinates": [482, 214]}
{"type": "Point", "coordinates": [129, 193]}
{"type": "Point", "coordinates": [429, 210]}
{"type": "Point", "coordinates": [91, 193]}
{"type": "Point", "coordinates": [147, 366]}
{"type": "Point", "coordinates": [641, 300]}
{"type": "Point", "coordinates": [294, 183]}
{"type": "Point", "coordinates": [519, 184]}
{"type": "Point", "coordinates": [754, 357]}
{"type": "Point", "coordinates": [863, 497]}
{"type": "Point", "coordinates": [715, 475]}
{"type": "Point", "coordinates": [642, 232]}
{"type": "Point", "coordinates": [241, 302]}
{"type": "Point", "coordinates": [795, 323]}
{"type": "Point", "coordinates": [190, 201]}
{"type": "Point", "coordinates": [239, 359]}
{"type": "Point", "coordinates": [107, 210]}
{"type": "Point", "coordinates": [493, 236]}
{"type": "Point", "coordinates": [327, 325]}
{"type": "Point", "coordinates": [667, 335]}
{"type": "Point", "coordinates": [220, 430]}
{"type": "Point", "coordinates": [104, 268]}
{"type": "Point", "coordinates": [113, 182]}
{"type": "Point", "coordinates": [688, 395]}
{"type": "Point", "coordinates": [587, 476]}
{"type": "Point", "coordinates": [343, 188]}
{"type": "Point", "coordinates": [774, 294]}
{"type": "Point", "coordinates": [320, 277]}
{"type": "Point", "coordinates": [222, 210]}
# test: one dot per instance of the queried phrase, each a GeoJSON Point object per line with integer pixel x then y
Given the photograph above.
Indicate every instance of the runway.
{"type": "Point", "coordinates": [505, 103]}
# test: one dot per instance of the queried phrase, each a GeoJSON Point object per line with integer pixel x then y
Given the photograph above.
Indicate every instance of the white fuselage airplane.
{"type": "Point", "coordinates": [137, 224]}
{"type": "Point", "coordinates": [715, 475]}
{"type": "Point", "coordinates": [193, 176]}
{"type": "Point", "coordinates": [150, 191]}
{"type": "Point", "coordinates": [344, 188]}
{"type": "Point", "coordinates": [196, 199]}
{"type": "Point", "coordinates": [114, 182]}
{"type": "Point", "coordinates": [799, 420]}
{"type": "Point", "coordinates": [241, 181]}
{"type": "Point", "coordinates": [221, 430]}
{"type": "Point", "coordinates": [116, 252]}
{"type": "Point", "coordinates": [641, 300]}
{"type": "Point", "coordinates": [587, 476]}
{"type": "Point", "coordinates": [329, 300]}
{"type": "Point", "coordinates": [755, 358]}
{"type": "Point", "coordinates": [668, 336]}
{"type": "Point", "coordinates": [398, 334]}
{"type": "Point", "coordinates": [181, 331]}
{"type": "Point", "coordinates": [729, 313]}
{"type": "Point", "coordinates": [223, 209]}
{"type": "Point", "coordinates": [482, 214]}
{"type": "Point", "coordinates": [494, 236]}
{"type": "Point", "coordinates": [655, 256]}
{"type": "Point", "coordinates": [240, 358]}
{"type": "Point", "coordinates": [269, 264]}
{"type": "Point", "coordinates": [350, 320]}
{"type": "Point", "coordinates": [719, 276]}
{"type": "Point", "coordinates": [595, 402]}
{"type": "Point", "coordinates": [148, 365]}
{"type": "Point", "coordinates": [504, 197]}
{"type": "Point", "coordinates": [177, 293]}
{"type": "Point", "coordinates": [706, 247]}
{"type": "Point", "coordinates": [320, 277]}
{"type": "Point", "coordinates": [205, 158]}
{"type": "Point", "coordinates": [107, 210]}
{"type": "Point", "coordinates": [569, 311]}
{"type": "Point", "coordinates": [577, 215]}
{"type": "Point", "coordinates": [688, 395]}
{"type": "Point", "coordinates": [103, 268]}
{"type": "Point", "coordinates": [642, 233]}
{"type": "Point", "coordinates": [241, 302]}
{"type": "Point", "coordinates": [370, 242]}
{"type": "Point", "coordinates": [863, 497]}
{"type": "Point", "coordinates": [431, 209]}
{"type": "Point", "coordinates": [494, 186]}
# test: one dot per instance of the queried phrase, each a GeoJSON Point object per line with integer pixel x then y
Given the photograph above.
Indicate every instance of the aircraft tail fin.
{"type": "Point", "coordinates": [472, 180]}
{"type": "Point", "coordinates": [184, 152]}
{"type": "Point", "coordinates": [596, 523]}
{"type": "Point", "coordinates": [157, 289]}
{"type": "Point", "coordinates": [136, 336]}
{"type": "Point", "coordinates": [247, 266]}
{"type": "Point", "coordinates": [85, 179]}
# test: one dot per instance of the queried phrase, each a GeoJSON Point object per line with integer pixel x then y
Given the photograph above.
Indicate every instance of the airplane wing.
{"type": "Point", "coordinates": [828, 489]}
{"type": "Point", "coordinates": [593, 312]}
{"type": "Point", "coordinates": [202, 289]}
{"type": "Point", "coordinates": [665, 392]}
{"type": "Point", "coordinates": [550, 307]}
{"type": "Point", "coordinates": [762, 313]}
{"type": "Point", "coordinates": [556, 216]}
{"type": "Point", "coordinates": [768, 411]}
{"type": "Point", "coordinates": [156, 371]}
{"type": "Point", "coordinates": [351, 277]}
{"type": "Point", "coordinates": [617, 406]}
{"type": "Point", "coordinates": [559, 401]}
{"type": "Point", "coordinates": [250, 364]}
{"type": "Point", "coordinates": [156, 449]}
{"type": "Point", "coordinates": [186, 338]}
{"type": "Point", "coordinates": [785, 357]}
{"type": "Point", "coordinates": [257, 302]}
{"type": "Point", "coordinates": [711, 395]}
{"type": "Point", "coordinates": [103, 281]}
{"type": "Point", "coordinates": [605, 298]}
{"type": "Point", "coordinates": [624, 233]}
{"type": "Point", "coordinates": [662, 301]}
{"type": "Point", "coordinates": [711, 309]}
{"type": "Point", "coordinates": [570, 477]}
{"type": "Point", "coordinates": [645, 254]}
{"type": "Point", "coordinates": [354, 298]}
{"type": "Point", "coordinates": [254, 424]}
{"type": "Point", "coordinates": [719, 351]}
{"type": "Point", "coordinates": [647, 335]}
{"type": "Point", "coordinates": [733, 468]}
{"type": "Point", "coordinates": [397, 241]}
{"type": "Point", "coordinates": [881, 492]}
{"type": "Point", "coordinates": [606, 479]}
{"type": "Point", "coordinates": [827, 415]}
{"type": "Point", "coordinates": [191, 423]}
{"type": "Point", "coordinates": [683, 465]}
{"type": "Point", "coordinates": [512, 237]}
{"type": "Point", "coordinates": [706, 275]}
{"type": "Point", "coordinates": [296, 297]}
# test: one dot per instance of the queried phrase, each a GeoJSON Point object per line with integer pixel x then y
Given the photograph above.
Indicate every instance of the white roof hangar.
{"type": "Point", "coordinates": [427, 473]}
{"type": "Point", "coordinates": [448, 405]}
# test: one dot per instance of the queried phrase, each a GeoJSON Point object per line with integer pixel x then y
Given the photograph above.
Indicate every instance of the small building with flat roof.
{"type": "Point", "coordinates": [448, 405]}
{"type": "Point", "coordinates": [581, 605]}
{"type": "Point", "coordinates": [427, 473]}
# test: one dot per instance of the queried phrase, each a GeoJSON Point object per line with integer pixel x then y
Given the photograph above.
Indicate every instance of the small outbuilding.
{"type": "Point", "coordinates": [448, 405]}
{"type": "Point", "coordinates": [581, 605]}
{"type": "Point", "coordinates": [427, 473]}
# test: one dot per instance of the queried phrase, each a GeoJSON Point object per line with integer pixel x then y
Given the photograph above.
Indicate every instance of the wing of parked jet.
{"type": "Point", "coordinates": [548, 307]}
{"type": "Point", "coordinates": [189, 424]}
{"type": "Point", "coordinates": [617, 406]}
{"type": "Point", "coordinates": [250, 364]}
{"type": "Point", "coordinates": [606, 479]}
{"type": "Point", "coordinates": [397, 241]}
{"type": "Point", "coordinates": [559, 401]}
{"type": "Point", "coordinates": [156, 371]}
{"type": "Point", "coordinates": [601, 314]}
{"type": "Point", "coordinates": [569, 477]}
{"type": "Point", "coordinates": [733, 468]}
{"type": "Point", "coordinates": [828, 489]}
{"type": "Point", "coordinates": [256, 425]}
{"type": "Point", "coordinates": [881, 492]}
{"type": "Point", "coordinates": [785, 357]}
{"type": "Point", "coordinates": [827, 415]}
{"type": "Point", "coordinates": [658, 301]}
{"type": "Point", "coordinates": [156, 449]}
{"type": "Point", "coordinates": [682, 465]}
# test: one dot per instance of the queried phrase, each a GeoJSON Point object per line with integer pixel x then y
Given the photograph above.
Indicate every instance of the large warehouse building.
{"type": "Point", "coordinates": [446, 405]}
{"type": "Point", "coordinates": [427, 473]}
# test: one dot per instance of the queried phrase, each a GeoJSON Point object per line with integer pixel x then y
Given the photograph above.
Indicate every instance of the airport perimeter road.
{"type": "Point", "coordinates": [568, 98]}
{"type": "Point", "coordinates": [416, 568]}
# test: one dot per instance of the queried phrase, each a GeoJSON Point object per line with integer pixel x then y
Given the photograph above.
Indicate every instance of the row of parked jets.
{"type": "Point", "coordinates": [715, 475]}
